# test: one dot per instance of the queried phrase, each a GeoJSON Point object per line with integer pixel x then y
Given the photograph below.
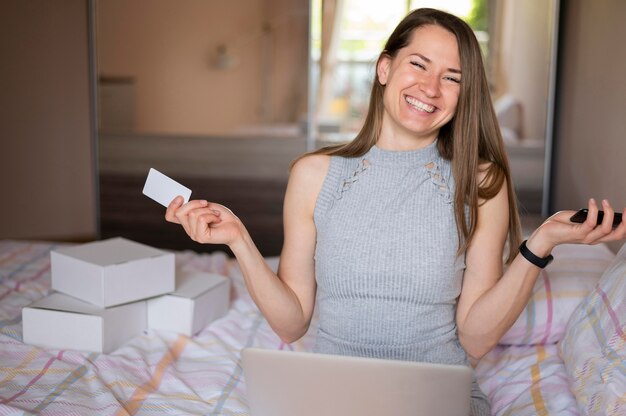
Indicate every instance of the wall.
{"type": "Point", "coordinates": [169, 48]}
{"type": "Point", "coordinates": [46, 169]}
{"type": "Point", "coordinates": [591, 105]}
{"type": "Point", "coordinates": [46, 165]}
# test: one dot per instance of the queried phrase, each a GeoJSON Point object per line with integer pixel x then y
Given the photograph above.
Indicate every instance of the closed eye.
{"type": "Point", "coordinates": [447, 78]}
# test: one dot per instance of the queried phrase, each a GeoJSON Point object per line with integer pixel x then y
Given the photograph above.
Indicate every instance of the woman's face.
{"type": "Point", "coordinates": [422, 85]}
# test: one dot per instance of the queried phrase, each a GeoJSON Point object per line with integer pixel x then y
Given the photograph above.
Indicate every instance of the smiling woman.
{"type": "Point", "coordinates": [394, 241]}
{"type": "Point", "coordinates": [422, 85]}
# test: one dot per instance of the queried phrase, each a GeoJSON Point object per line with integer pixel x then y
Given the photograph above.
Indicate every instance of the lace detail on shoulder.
{"type": "Point", "coordinates": [346, 183]}
{"type": "Point", "coordinates": [433, 169]}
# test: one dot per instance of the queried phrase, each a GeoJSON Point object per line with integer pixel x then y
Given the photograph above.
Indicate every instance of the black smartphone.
{"type": "Point", "coordinates": [581, 216]}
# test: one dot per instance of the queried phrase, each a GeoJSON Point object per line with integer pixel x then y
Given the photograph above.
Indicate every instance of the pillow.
{"type": "Point", "coordinates": [560, 287]}
{"type": "Point", "coordinates": [594, 345]}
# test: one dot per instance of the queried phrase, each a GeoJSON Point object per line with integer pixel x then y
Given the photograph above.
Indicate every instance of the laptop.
{"type": "Point", "coordinates": [286, 383]}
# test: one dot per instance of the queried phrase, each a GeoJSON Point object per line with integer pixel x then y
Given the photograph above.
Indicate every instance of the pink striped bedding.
{"type": "Point", "coordinates": [161, 372]}
{"type": "Point", "coordinates": [153, 374]}
{"type": "Point", "coordinates": [526, 380]}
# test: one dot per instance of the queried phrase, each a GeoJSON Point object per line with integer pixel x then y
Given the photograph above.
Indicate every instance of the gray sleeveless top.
{"type": "Point", "coordinates": [388, 275]}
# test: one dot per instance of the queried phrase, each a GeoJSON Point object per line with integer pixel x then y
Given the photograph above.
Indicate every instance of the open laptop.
{"type": "Point", "coordinates": [285, 383]}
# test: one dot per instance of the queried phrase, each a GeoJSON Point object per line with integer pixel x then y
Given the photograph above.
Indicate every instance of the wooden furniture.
{"type": "Point", "coordinates": [126, 212]}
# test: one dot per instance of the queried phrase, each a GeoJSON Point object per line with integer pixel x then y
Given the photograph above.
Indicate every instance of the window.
{"type": "Point", "coordinates": [347, 36]}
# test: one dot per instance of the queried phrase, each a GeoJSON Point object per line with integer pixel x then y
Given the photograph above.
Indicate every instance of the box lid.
{"type": "Point", "coordinates": [191, 285]}
{"type": "Point", "coordinates": [62, 302]}
{"type": "Point", "coordinates": [112, 251]}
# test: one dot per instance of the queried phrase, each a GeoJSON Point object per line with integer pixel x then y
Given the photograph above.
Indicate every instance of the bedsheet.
{"type": "Point", "coordinates": [161, 372]}
{"type": "Point", "coordinates": [155, 373]}
{"type": "Point", "coordinates": [526, 380]}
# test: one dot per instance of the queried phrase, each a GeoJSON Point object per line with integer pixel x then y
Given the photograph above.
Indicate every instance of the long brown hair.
{"type": "Point", "coordinates": [470, 138]}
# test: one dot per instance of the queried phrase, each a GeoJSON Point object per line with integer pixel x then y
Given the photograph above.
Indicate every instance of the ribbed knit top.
{"type": "Point", "coordinates": [387, 270]}
{"type": "Point", "coordinates": [388, 275]}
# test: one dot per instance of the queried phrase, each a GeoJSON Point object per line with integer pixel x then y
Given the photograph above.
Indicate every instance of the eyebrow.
{"type": "Point", "coordinates": [456, 71]}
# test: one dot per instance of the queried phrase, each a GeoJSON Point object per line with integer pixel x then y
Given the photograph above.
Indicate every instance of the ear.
{"type": "Point", "coordinates": [382, 68]}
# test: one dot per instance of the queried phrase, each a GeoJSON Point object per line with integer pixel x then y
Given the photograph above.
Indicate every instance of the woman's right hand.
{"type": "Point", "coordinates": [206, 222]}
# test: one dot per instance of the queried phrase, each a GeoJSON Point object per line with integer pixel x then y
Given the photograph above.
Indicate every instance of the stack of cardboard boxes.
{"type": "Point", "coordinates": [109, 291]}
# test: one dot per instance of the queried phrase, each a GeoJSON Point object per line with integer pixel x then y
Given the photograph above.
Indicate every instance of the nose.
{"type": "Point", "coordinates": [430, 85]}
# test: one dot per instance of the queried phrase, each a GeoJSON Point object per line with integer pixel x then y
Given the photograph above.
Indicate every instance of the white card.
{"type": "Point", "coordinates": [164, 189]}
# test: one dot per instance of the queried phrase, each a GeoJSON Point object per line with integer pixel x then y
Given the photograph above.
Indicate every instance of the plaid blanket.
{"type": "Point", "coordinates": [162, 372]}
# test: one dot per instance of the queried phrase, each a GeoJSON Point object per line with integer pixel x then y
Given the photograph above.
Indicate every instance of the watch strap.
{"type": "Point", "coordinates": [540, 262]}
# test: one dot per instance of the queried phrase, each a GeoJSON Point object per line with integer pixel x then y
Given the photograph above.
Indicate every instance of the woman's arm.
{"type": "Point", "coordinates": [287, 298]}
{"type": "Point", "coordinates": [491, 300]}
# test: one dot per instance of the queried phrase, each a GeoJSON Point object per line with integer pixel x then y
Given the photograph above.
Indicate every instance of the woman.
{"type": "Point", "coordinates": [398, 237]}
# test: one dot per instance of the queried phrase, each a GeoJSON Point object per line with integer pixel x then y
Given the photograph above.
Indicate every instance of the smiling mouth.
{"type": "Point", "coordinates": [418, 105]}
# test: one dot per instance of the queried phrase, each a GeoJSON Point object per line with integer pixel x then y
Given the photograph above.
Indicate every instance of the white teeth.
{"type": "Point", "coordinates": [420, 105]}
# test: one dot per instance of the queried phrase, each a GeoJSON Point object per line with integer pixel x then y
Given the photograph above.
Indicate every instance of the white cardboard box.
{"type": "Point", "coordinates": [199, 299]}
{"type": "Point", "coordinates": [112, 272]}
{"type": "Point", "coordinates": [62, 322]}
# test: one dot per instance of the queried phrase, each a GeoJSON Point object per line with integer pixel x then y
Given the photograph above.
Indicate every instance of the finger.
{"type": "Point", "coordinates": [184, 210]}
{"type": "Point", "coordinates": [171, 209]}
{"type": "Point", "coordinates": [604, 231]}
{"type": "Point", "coordinates": [177, 207]}
{"type": "Point", "coordinates": [192, 223]}
{"type": "Point", "coordinates": [182, 213]}
{"type": "Point", "coordinates": [199, 220]}
{"type": "Point", "coordinates": [196, 212]}
{"type": "Point", "coordinates": [194, 204]}
{"type": "Point", "coordinates": [205, 224]}
{"type": "Point", "coordinates": [607, 221]}
{"type": "Point", "coordinates": [220, 209]}
{"type": "Point", "coordinates": [592, 215]}
{"type": "Point", "coordinates": [617, 233]}
{"type": "Point", "coordinates": [588, 231]}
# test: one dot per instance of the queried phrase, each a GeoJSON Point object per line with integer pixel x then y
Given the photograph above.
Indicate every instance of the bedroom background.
{"type": "Point", "coordinates": [49, 162]}
{"type": "Point", "coordinates": [562, 354]}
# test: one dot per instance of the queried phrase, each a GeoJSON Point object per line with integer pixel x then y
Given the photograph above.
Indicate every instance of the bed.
{"type": "Point", "coordinates": [566, 355]}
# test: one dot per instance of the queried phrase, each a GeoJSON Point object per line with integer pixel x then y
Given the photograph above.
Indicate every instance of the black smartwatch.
{"type": "Point", "coordinates": [540, 262]}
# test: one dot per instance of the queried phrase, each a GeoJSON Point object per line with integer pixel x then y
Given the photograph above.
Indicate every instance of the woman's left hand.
{"type": "Point", "coordinates": [558, 229]}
